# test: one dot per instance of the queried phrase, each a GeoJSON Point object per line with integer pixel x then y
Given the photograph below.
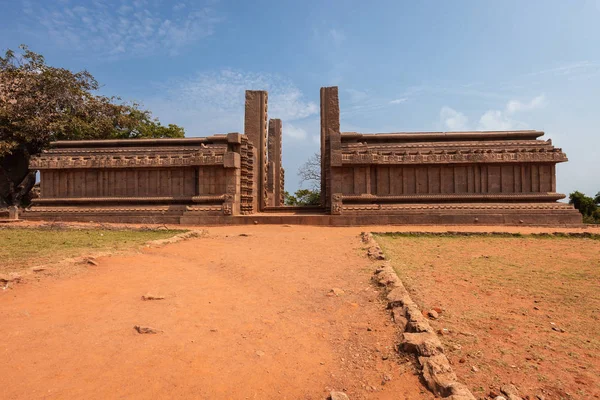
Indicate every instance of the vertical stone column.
{"type": "Point", "coordinates": [275, 172]}
{"type": "Point", "coordinates": [232, 162]}
{"type": "Point", "coordinates": [330, 144]}
{"type": "Point", "coordinates": [255, 127]}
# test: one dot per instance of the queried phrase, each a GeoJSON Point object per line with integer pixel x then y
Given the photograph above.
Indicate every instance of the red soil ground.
{"type": "Point", "coordinates": [244, 317]}
{"type": "Point", "coordinates": [518, 310]}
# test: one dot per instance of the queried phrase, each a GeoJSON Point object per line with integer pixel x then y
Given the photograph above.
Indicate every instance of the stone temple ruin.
{"type": "Point", "coordinates": [366, 178]}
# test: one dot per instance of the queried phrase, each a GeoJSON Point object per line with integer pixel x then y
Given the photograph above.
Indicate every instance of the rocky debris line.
{"type": "Point", "coordinates": [580, 235]}
{"type": "Point", "coordinates": [178, 238]}
{"type": "Point", "coordinates": [149, 296]}
{"type": "Point", "coordinates": [418, 336]}
{"type": "Point", "coordinates": [374, 251]}
{"type": "Point", "coordinates": [146, 330]}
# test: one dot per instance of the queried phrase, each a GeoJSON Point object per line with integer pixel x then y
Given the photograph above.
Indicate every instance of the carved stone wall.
{"type": "Point", "coordinates": [398, 173]}
{"type": "Point", "coordinates": [383, 178]}
{"type": "Point", "coordinates": [110, 175]}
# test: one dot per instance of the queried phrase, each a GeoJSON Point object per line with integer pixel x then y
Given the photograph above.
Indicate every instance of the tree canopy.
{"type": "Point", "coordinates": [303, 197]}
{"type": "Point", "coordinates": [587, 206]}
{"type": "Point", "coordinates": [41, 103]}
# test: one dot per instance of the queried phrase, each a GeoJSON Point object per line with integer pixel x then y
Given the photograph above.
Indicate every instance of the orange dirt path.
{"type": "Point", "coordinates": [245, 317]}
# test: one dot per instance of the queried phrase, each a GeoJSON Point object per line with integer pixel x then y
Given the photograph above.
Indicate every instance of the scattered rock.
{"type": "Point", "coordinates": [462, 360]}
{"type": "Point", "coordinates": [433, 314]}
{"type": "Point", "coordinates": [511, 392]}
{"type": "Point", "coordinates": [499, 398]}
{"type": "Point", "coordinates": [38, 269]}
{"type": "Point", "coordinates": [90, 261]}
{"type": "Point", "coordinates": [10, 278]}
{"type": "Point", "coordinates": [260, 353]}
{"type": "Point", "coordinates": [474, 369]}
{"type": "Point", "coordinates": [335, 292]}
{"type": "Point", "coordinates": [338, 396]}
{"type": "Point", "coordinates": [244, 234]}
{"type": "Point", "coordinates": [152, 297]}
{"type": "Point", "coordinates": [146, 329]}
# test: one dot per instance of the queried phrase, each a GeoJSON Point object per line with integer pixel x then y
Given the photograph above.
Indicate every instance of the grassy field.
{"type": "Point", "coordinates": [524, 309]}
{"type": "Point", "coordinates": [21, 248]}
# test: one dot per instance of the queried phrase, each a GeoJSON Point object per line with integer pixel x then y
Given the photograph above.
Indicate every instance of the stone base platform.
{"type": "Point", "coordinates": [543, 214]}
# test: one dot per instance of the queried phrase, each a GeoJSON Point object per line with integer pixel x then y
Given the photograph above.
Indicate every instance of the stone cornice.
{"type": "Point", "coordinates": [552, 155]}
{"type": "Point", "coordinates": [127, 160]}
{"type": "Point", "coordinates": [471, 197]}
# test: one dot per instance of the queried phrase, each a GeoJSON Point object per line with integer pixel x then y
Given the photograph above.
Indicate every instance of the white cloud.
{"type": "Point", "coordinates": [496, 120]}
{"type": "Point", "coordinates": [514, 106]}
{"type": "Point", "coordinates": [453, 120]}
{"type": "Point", "coordinates": [213, 102]}
{"type": "Point", "coordinates": [399, 101]}
{"type": "Point", "coordinates": [293, 132]}
{"type": "Point", "coordinates": [134, 28]}
{"type": "Point", "coordinates": [493, 120]}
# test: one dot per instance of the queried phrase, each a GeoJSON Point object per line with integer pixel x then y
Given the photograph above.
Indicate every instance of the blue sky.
{"type": "Point", "coordinates": [400, 65]}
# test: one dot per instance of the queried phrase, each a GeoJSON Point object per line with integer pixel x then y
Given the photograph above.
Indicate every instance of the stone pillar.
{"type": "Point", "coordinates": [255, 127]}
{"type": "Point", "coordinates": [232, 162]}
{"type": "Point", "coordinates": [275, 172]}
{"type": "Point", "coordinates": [330, 144]}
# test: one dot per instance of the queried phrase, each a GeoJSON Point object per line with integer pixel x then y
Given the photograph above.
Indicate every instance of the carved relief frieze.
{"type": "Point", "coordinates": [458, 156]}
{"type": "Point", "coordinates": [52, 161]}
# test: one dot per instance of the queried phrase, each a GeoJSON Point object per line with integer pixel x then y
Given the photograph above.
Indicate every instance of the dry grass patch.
{"type": "Point", "coordinates": [515, 309]}
{"type": "Point", "coordinates": [24, 247]}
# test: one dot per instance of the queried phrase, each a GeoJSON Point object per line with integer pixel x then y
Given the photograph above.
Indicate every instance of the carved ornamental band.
{"type": "Point", "coordinates": [104, 161]}
{"type": "Point", "coordinates": [553, 155]}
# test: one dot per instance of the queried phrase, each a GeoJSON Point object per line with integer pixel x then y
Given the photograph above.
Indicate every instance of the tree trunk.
{"type": "Point", "coordinates": [16, 180]}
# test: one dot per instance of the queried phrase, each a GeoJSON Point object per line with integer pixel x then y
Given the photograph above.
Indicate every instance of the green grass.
{"type": "Point", "coordinates": [21, 247]}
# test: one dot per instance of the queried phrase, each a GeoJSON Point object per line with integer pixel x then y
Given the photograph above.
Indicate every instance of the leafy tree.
{"type": "Point", "coordinates": [587, 206]}
{"type": "Point", "coordinates": [303, 197]}
{"type": "Point", "coordinates": [597, 199]}
{"type": "Point", "coordinates": [40, 104]}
